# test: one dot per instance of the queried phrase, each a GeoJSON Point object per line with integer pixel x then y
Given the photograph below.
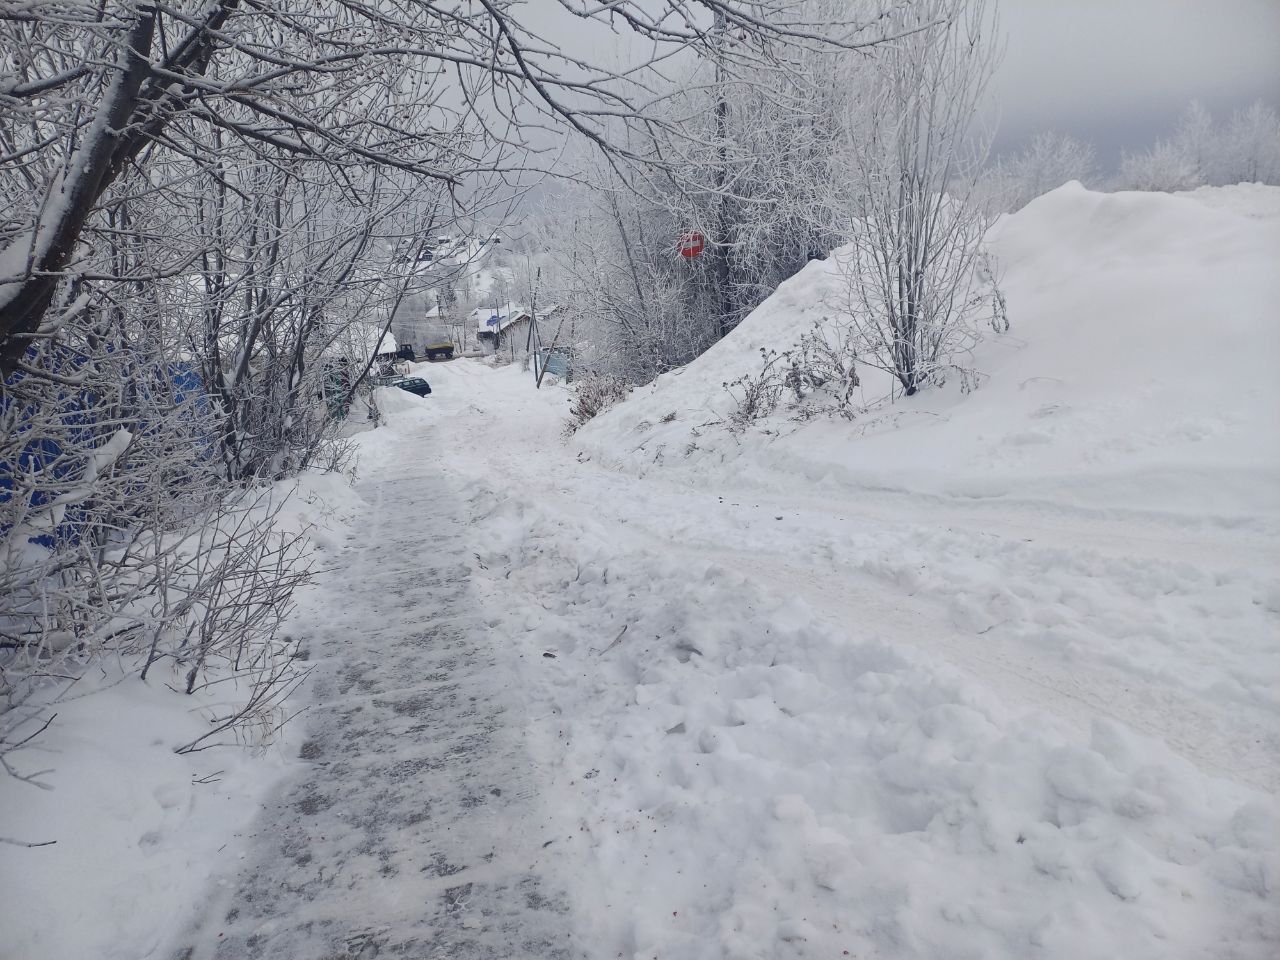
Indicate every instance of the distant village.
{"type": "Point", "coordinates": [469, 302]}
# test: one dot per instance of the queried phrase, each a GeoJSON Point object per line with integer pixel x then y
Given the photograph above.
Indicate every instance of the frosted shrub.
{"type": "Point", "coordinates": [757, 395]}
{"type": "Point", "coordinates": [121, 543]}
{"type": "Point", "coordinates": [826, 360]}
{"type": "Point", "coordinates": [592, 395]}
{"type": "Point", "coordinates": [916, 265]}
{"type": "Point", "coordinates": [1245, 148]}
{"type": "Point", "coordinates": [821, 367]}
{"type": "Point", "coordinates": [1047, 162]}
{"type": "Point", "coordinates": [1162, 168]}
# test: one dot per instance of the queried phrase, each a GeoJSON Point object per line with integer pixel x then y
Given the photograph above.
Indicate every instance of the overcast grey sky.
{"type": "Point", "coordinates": [1118, 72]}
{"type": "Point", "coordinates": [1115, 72]}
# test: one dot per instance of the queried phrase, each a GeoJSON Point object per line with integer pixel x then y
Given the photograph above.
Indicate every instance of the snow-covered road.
{"type": "Point", "coordinates": [566, 711]}
{"type": "Point", "coordinates": [1060, 612]}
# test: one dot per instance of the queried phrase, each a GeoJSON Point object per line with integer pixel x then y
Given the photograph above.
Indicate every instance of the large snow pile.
{"type": "Point", "coordinates": [1139, 371]}
{"type": "Point", "coordinates": [803, 765]}
{"type": "Point", "coordinates": [1258, 200]}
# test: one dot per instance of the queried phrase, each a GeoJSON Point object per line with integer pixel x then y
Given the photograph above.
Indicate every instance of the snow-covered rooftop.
{"type": "Point", "coordinates": [500, 317]}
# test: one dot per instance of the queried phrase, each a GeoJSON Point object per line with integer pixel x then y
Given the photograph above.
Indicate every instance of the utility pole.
{"type": "Point", "coordinates": [720, 227]}
{"type": "Point", "coordinates": [533, 342]}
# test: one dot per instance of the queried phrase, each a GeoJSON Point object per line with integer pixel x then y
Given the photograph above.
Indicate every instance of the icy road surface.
{"type": "Point", "coordinates": [418, 828]}
{"type": "Point", "coordinates": [564, 712]}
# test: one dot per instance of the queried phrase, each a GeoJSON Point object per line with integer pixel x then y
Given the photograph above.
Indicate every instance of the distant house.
{"type": "Point", "coordinates": [505, 324]}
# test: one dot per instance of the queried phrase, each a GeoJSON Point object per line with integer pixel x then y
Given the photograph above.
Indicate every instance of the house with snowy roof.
{"type": "Point", "coordinates": [501, 324]}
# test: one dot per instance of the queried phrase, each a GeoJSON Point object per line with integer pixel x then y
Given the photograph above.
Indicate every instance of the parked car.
{"type": "Point", "coordinates": [414, 385]}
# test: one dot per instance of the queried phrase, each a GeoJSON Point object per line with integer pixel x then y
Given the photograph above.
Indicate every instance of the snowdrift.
{"type": "Point", "coordinates": [1138, 373]}
{"type": "Point", "coordinates": [1091, 532]}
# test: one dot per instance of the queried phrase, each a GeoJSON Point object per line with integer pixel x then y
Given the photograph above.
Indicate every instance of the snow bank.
{"type": "Point", "coordinates": [741, 772]}
{"type": "Point", "coordinates": [133, 829]}
{"type": "Point", "coordinates": [398, 406]}
{"type": "Point", "coordinates": [1258, 200]}
{"type": "Point", "coordinates": [1139, 372]}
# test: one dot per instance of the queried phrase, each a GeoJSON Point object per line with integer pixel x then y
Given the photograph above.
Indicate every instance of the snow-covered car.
{"type": "Point", "coordinates": [415, 385]}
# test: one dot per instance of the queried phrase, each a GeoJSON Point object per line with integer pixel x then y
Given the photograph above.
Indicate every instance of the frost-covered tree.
{"type": "Point", "coordinates": [1199, 142]}
{"type": "Point", "coordinates": [201, 199]}
{"type": "Point", "coordinates": [917, 271]}
{"type": "Point", "coordinates": [758, 154]}
{"type": "Point", "coordinates": [1047, 162]}
{"type": "Point", "coordinates": [1162, 167]}
{"type": "Point", "coordinates": [1251, 146]}
{"type": "Point", "coordinates": [90, 90]}
{"type": "Point", "coordinates": [289, 262]}
{"type": "Point", "coordinates": [1202, 151]}
{"type": "Point", "coordinates": [119, 535]}
{"type": "Point", "coordinates": [626, 301]}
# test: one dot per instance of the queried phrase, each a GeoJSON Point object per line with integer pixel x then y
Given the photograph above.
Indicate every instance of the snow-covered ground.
{"type": "Point", "coordinates": [987, 675]}
{"type": "Point", "coordinates": [1138, 373]}
{"type": "Point", "coordinates": [976, 675]}
{"type": "Point", "coordinates": [871, 723]}
{"type": "Point", "coordinates": [130, 831]}
{"type": "Point", "coordinates": [1099, 521]}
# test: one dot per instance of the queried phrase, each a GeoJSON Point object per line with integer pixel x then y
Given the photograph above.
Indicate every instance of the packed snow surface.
{"type": "Point", "coordinates": [1089, 537]}
{"type": "Point", "coordinates": [793, 725]}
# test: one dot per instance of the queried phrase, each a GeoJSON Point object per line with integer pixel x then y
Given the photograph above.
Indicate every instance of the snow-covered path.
{"type": "Point", "coordinates": [565, 711]}
{"type": "Point", "coordinates": [1084, 616]}
{"type": "Point", "coordinates": [417, 827]}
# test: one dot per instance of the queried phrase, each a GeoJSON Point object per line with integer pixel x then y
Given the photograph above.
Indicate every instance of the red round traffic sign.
{"type": "Point", "coordinates": [691, 244]}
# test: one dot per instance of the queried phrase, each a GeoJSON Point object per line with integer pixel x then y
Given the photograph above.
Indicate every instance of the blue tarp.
{"type": "Point", "coordinates": [42, 456]}
{"type": "Point", "coordinates": [555, 362]}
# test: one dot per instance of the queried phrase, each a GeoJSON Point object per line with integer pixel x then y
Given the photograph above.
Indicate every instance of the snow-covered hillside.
{"type": "Point", "coordinates": [1139, 372]}
{"type": "Point", "coordinates": [1090, 536]}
